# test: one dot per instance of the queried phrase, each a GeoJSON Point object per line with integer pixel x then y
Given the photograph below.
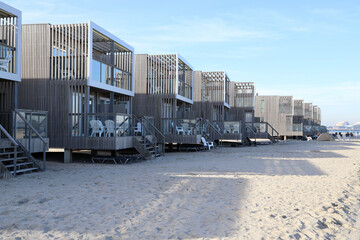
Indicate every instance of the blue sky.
{"type": "Point", "coordinates": [308, 49]}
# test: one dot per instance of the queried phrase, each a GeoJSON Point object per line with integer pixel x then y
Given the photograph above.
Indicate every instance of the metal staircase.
{"type": "Point", "coordinates": [211, 133]}
{"type": "Point", "coordinates": [151, 142]}
{"type": "Point", "coordinates": [14, 159]}
{"type": "Point", "coordinates": [247, 133]}
{"type": "Point", "coordinates": [15, 151]}
{"type": "Point", "coordinates": [262, 130]}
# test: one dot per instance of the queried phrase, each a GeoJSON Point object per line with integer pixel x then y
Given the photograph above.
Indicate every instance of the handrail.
{"type": "Point", "coordinates": [214, 128]}
{"type": "Point", "coordinates": [15, 149]}
{"type": "Point", "coordinates": [157, 130]}
{"type": "Point", "coordinates": [8, 135]}
{"type": "Point", "coordinates": [123, 122]}
{"type": "Point", "coordinates": [277, 133]}
{"type": "Point", "coordinates": [45, 143]}
{"type": "Point", "coordinates": [247, 127]}
{"type": "Point", "coordinates": [32, 128]}
{"type": "Point", "coordinates": [156, 139]}
{"type": "Point", "coordinates": [216, 131]}
{"type": "Point", "coordinates": [143, 126]}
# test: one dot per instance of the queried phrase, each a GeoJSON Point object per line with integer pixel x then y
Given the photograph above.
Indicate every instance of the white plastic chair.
{"type": "Point", "coordinates": [4, 63]}
{"type": "Point", "coordinates": [97, 128]}
{"type": "Point", "coordinates": [186, 128]}
{"type": "Point", "coordinates": [110, 128]}
{"type": "Point", "coordinates": [179, 130]}
{"type": "Point", "coordinates": [137, 128]}
{"type": "Point", "coordinates": [208, 145]}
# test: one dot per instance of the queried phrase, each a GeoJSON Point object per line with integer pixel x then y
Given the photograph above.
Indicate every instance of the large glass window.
{"type": "Point", "coordinates": [96, 71]}
{"type": "Point", "coordinates": [248, 117]}
{"type": "Point", "coordinates": [262, 106]}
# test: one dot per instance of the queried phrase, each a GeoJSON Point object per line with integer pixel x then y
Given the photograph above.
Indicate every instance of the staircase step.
{"type": "Point", "coordinates": [7, 153]}
{"type": "Point", "coordinates": [24, 170]}
{"type": "Point", "coordinates": [11, 159]}
{"type": "Point", "coordinates": [19, 164]}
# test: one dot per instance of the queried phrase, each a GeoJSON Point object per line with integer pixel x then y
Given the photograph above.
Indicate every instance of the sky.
{"type": "Point", "coordinates": [306, 49]}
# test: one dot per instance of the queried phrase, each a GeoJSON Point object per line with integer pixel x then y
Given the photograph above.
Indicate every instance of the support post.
{"type": "Point", "coordinates": [68, 158]}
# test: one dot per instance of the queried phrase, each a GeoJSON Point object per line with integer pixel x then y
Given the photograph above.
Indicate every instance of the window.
{"type": "Point", "coordinates": [262, 106]}
{"type": "Point", "coordinates": [248, 117]}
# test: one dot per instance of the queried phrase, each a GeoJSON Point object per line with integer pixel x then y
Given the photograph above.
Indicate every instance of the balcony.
{"type": "Point", "coordinates": [10, 43]}
{"type": "Point", "coordinates": [185, 90]}
{"type": "Point", "coordinates": [297, 128]}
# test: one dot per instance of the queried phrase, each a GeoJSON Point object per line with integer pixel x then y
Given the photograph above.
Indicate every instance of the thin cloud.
{"type": "Point", "coordinates": [213, 30]}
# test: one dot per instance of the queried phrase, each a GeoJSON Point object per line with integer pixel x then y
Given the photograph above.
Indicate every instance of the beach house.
{"type": "Point", "coordinates": [10, 62]}
{"type": "Point", "coordinates": [164, 91]}
{"type": "Point", "coordinates": [212, 100]}
{"type": "Point", "coordinates": [83, 76]}
{"type": "Point", "coordinates": [298, 118]}
{"type": "Point", "coordinates": [22, 132]}
{"type": "Point", "coordinates": [242, 101]}
{"type": "Point", "coordinates": [278, 111]}
{"type": "Point", "coordinates": [212, 97]}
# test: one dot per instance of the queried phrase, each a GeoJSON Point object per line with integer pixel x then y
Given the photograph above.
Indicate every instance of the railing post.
{"type": "Point", "coordinates": [15, 160]}
{"type": "Point", "coordinates": [44, 156]}
{"type": "Point", "coordinates": [46, 125]}
{"type": "Point", "coordinates": [30, 136]}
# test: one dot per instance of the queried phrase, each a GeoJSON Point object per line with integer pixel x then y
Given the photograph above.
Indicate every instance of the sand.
{"type": "Point", "coordinates": [291, 190]}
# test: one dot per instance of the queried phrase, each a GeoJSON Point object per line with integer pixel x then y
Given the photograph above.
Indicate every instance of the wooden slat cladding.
{"type": "Point", "coordinates": [299, 108]}
{"type": "Point", "coordinates": [55, 79]}
{"type": "Point", "coordinates": [278, 111]}
{"type": "Point", "coordinates": [7, 103]}
{"type": "Point", "coordinates": [211, 92]}
{"type": "Point", "coordinates": [242, 101]}
{"type": "Point", "coordinates": [69, 50]}
{"type": "Point", "coordinates": [161, 74]}
{"type": "Point", "coordinates": [308, 110]}
{"type": "Point", "coordinates": [155, 93]}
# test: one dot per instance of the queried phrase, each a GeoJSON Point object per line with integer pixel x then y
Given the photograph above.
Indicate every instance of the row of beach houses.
{"type": "Point", "coordinates": [79, 87]}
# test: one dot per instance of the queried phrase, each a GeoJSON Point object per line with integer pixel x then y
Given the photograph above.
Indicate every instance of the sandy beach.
{"type": "Point", "coordinates": [289, 190]}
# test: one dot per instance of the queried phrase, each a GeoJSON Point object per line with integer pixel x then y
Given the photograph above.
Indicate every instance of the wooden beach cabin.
{"type": "Point", "coordinates": [22, 132]}
{"type": "Point", "coordinates": [278, 111]}
{"type": "Point", "coordinates": [308, 119]}
{"type": "Point", "coordinates": [242, 101]}
{"type": "Point", "coordinates": [316, 122]}
{"type": "Point", "coordinates": [298, 118]}
{"type": "Point", "coordinates": [212, 100]}
{"type": "Point", "coordinates": [164, 91]}
{"type": "Point", "coordinates": [10, 62]}
{"type": "Point", "coordinates": [242, 113]}
{"type": "Point", "coordinates": [83, 76]}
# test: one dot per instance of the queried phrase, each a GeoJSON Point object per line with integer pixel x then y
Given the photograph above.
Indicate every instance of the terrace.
{"type": "Point", "coordinates": [170, 74]}
{"type": "Point", "coordinates": [88, 52]}
{"type": "Point", "coordinates": [10, 43]}
{"type": "Point", "coordinates": [215, 88]}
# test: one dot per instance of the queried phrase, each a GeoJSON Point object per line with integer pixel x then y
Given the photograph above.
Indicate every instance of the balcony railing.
{"type": "Point", "coordinates": [188, 126]}
{"type": "Point", "coordinates": [185, 90]}
{"type": "Point", "coordinates": [7, 58]}
{"type": "Point", "coordinates": [297, 128]}
{"type": "Point", "coordinates": [38, 120]}
{"type": "Point", "coordinates": [110, 125]}
{"type": "Point", "coordinates": [231, 127]}
{"type": "Point", "coordinates": [101, 72]}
